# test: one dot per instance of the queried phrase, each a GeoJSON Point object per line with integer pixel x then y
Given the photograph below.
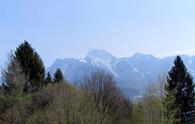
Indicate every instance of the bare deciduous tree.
{"type": "Point", "coordinates": [13, 77]}
{"type": "Point", "coordinates": [109, 100]}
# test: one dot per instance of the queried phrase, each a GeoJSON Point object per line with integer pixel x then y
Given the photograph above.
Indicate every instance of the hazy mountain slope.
{"type": "Point", "coordinates": [130, 73]}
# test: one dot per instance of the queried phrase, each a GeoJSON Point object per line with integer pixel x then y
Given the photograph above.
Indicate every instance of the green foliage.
{"type": "Point", "coordinates": [170, 110]}
{"type": "Point", "coordinates": [58, 76]}
{"type": "Point", "coordinates": [31, 64]}
{"type": "Point", "coordinates": [179, 97]}
{"type": "Point", "coordinates": [13, 109]}
{"type": "Point", "coordinates": [65, 105]}
{"type": "Point", "coordinates": [148, 109]}
{"type": "Point", "coordinates": [139, 116]}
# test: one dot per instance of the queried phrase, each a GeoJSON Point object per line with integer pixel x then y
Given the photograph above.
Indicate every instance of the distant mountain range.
{"type": "Point", "coordinates": [132, 74]}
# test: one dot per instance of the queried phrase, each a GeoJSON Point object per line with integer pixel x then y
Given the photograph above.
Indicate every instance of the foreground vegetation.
{"type": "Point", "coordinates": [29, 96]}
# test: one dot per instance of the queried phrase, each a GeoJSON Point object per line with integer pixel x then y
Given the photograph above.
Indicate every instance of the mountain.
{"type": "Point", "coordinates": [132, 74]}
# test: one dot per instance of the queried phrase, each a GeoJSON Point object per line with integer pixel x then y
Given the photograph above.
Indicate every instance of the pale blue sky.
{"type": "Point", "coordinates": [68, 28]}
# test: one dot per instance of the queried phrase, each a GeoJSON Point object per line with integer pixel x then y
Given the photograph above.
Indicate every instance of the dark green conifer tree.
{"type": "Point", "coordinates": [179, 94]}
{"type": "Point", "coordinates": [31, 64]}
{"type": "Point", "coordinates": [48, 79]}
{"type": "Point", "coordinates": [58, 76]}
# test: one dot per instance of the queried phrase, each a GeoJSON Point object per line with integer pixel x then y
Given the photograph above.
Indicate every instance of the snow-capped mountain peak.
{"type": "Point", "coordinates": [99, 55]}
{"type": "Point", "coordinates": [101, 59]}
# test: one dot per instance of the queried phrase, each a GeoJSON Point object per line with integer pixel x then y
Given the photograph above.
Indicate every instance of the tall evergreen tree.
{"type": "Point", "coordinates": [179, 94]}
{"type": "Point", "coordinates": [31, 64]}
{"type": "Point", "coordinates": [48, 79]}
{"type": "Point", "coordinates": [58, 76]}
